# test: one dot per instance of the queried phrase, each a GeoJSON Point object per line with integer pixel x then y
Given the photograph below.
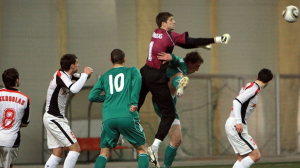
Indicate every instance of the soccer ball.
{"type": "Point", "coordinates": [290, 14]}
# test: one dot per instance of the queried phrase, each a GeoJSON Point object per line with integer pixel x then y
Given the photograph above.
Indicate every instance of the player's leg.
{"type": "Point", "coordinates": [177, 84]}
{"type": "Point", "coordinates": [250, 158]}
{"type": "Point", "coordinates": [59, 135]}
{"type": "Point", "coordinates": [176, 140]}
{"type": "Point", "coordinates": [72, 157]}
{"type": "Point", "coordinates": [9, 156]}
{"type": "Point", "coordinates": [109, 140]}
{"type": "Point", "coordinates": [103, 157]}
{"type": "Point", "coordinates": [132, 130]}
{"type": "Point", "coordinates": [144, 89]}
{"type": "Point", "coordinates": [143, 160]}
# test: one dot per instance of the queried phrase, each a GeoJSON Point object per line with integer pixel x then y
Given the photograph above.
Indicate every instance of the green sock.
{"type": "Point", "coordinates": [170, 154]}
{"type": "Point", "coordinates": [100, 162]}
{"type": "Point", "coordinates": [143, 161]}
{"type": "Point", "coordinates": [176, 80]}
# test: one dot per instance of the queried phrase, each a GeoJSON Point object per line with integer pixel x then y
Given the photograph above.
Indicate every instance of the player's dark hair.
{"type": "Point", "coordinates": [193, 57]}
{"type": "Point", "coordinates": [162, 17]}
{"type": "Point", "coordinates": [67, 60]}
{"type": "Point", "coordinates": [117, 56]}
{"type": "Point", "coordinates": [9, 77]}
{"type": "Point", "coordinates": [265, 75]}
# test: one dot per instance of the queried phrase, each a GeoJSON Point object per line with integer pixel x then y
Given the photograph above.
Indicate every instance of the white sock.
{"type": "Point", "coordinates": [247, 162]}
{"type": "Point", "coordinates": [155, 145]}
{"type": "Point", "coordinates": [237, 164]}
{"type": "Point", "coordinates": [71, 159]}
{"type": "Point", "coordinates": [52, 162]}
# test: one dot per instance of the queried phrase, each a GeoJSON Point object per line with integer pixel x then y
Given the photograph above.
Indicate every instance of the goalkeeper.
{"type": "Point", "coordinates": [177, 72]}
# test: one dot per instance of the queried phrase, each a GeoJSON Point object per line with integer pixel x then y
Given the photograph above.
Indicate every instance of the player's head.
{"type": "Point", "coordinates": [193, 61]}
{"type": "Point", "coordinates": [165, 21]}
{"type": "Point", "coordinates": [69, 62]}
{"type": "Point", "coordinates": [117, 56]}
{"type": "Point", "coordinates": [265, 76]}
{"type": "Point", "coordinates": [10, 78]}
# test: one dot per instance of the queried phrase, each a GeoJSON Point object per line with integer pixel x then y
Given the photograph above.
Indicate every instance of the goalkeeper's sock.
{"type": "Point", "coordinates": [247, 162]}
{"type": "Point", "coordinates": [143, 160]}
{"type": "Point", "coordinates": [100, 162]}
{"type": "Point", "coordinates": [155, 145]}
{"type": "Point", "coordinates": [170, 154]}
{"type": "Point", "coordinates": [176, 81]}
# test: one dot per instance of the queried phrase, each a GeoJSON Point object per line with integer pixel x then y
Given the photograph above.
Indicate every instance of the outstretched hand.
{"type": "Point", "coordinates": [165, 57]}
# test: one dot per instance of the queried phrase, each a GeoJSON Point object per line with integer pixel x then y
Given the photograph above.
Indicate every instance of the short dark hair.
{"type": "Point", "coordinates": [9, 77]}
{"type": "Point", "coordinates": [67, 60]}
{"type": "Point", "coordinates": [117, 56]}
{"type": "Point", "coordinates": [162, 17]}
{"type": "Point", "coordinates": [265, 75]}
{"type": "Point", "coordinates": [193, 57]}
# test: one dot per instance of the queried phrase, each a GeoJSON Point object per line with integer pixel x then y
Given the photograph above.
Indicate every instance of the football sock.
{"type": "Point", "coordinates": [155, 145]}
{"type": "Point", "coordinates": [247, 162]}
{"type": "Point", "coordinates": [101, 162]}
{"type": "Point", "coordinates": [170, 154]}
{"type": "Point", "coordinates": [176, 80]}
{"type": "Point", "coordinates": [237, 164]}
{"type": "Point", "coordinates": [52, 162]}
{"type": "Point", "coordinates": [143, 160]}
{"type": "Point", "coordinates": [71, 159]}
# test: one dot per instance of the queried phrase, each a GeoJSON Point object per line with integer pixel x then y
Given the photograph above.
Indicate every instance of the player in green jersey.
{"type": "Point", "coordinates": [177, 71]}
{"type": "Point", "coordinates": [121, 86]}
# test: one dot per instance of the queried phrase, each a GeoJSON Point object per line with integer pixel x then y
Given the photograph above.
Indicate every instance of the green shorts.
{"type": "Point", "coordinates": [156, 109]}
{"type": "Point", "coordinates": [130, 128]}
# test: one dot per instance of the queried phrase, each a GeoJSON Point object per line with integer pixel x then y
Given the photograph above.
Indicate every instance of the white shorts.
{"type": "Point", "coordinates": [8, 156]}
{"type": "Point", "coordinates": [176, 122]}
{"type": "Point", "coordinates": [59, 133]}
{"type": "Point", "coordinates": [242, 143]}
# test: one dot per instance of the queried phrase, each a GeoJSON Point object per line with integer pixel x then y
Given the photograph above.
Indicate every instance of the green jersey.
{"type": "Point", "coordinates": [122, 87]}
{"type": "Point", "coordinates": [178, 65]}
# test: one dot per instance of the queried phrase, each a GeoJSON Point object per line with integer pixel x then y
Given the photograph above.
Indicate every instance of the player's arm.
{"type": "Point", "coordinates": [94, 95]}
{"type": "Point", "coordinates": [77, 86]}
{"type": "Point", "coordinates": [166, 57]}
{"type": "Point", "coordinates": [189, 42]}
{"type": "Point", "coordinates": [136, 85]}
{"type": "Point", "coordinates": [25, 119]}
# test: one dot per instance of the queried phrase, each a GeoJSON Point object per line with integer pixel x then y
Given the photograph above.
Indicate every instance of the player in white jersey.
{"type": "Point", "coordinates": [236, 125]}
{"type": "Point", "coordinates": [14, 113]}
{"type": "Point", "coordinates": [59, 134]}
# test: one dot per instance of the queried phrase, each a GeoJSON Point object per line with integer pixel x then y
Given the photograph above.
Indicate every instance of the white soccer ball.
{"type": "Point", "coordinates": [290, 14]}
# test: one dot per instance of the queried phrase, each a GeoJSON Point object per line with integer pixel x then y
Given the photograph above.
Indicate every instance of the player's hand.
{"type": "Point", "coordinates": [88, 71]}
{"type": "Point", "coordinates": [165, 57]}
{"type": "Point", "coordinates": [207, 47]}
{"type": "Point", "coordinates": [222, 39]}
{"type": "Point", "coordinates": [133, 108]}
{"type": "Point", "coordinates": [239, 128]}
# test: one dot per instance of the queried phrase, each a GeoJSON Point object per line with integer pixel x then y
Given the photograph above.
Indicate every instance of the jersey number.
{"type": "Point", "coordinates": [8, 118]}
{"type": "Point", "coordinates": [114, 83]}
{"type": "Point", "coordinates": [150, 50]}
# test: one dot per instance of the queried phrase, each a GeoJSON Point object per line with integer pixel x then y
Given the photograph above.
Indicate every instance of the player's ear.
{"type": "Point", "coordinates": [124, 59]}
{"type": "Point", "coordinates": [110, 60]}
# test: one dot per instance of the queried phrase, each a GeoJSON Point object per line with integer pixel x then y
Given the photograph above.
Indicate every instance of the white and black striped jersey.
{"type": "Point", "coordinates": [247, 97]}
{"type": "Point", "coordinates": [14, 111]}
{"type": "Point", "coordinates": [58, 90]}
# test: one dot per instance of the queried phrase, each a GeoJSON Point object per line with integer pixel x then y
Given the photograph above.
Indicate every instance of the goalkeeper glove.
{"type": "Point", "coordinates": [207, 47]}
{"type": "Point", "coordinates": [222, 39]}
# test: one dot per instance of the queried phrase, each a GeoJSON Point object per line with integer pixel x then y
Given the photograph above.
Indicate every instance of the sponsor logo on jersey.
{"type": "Point", "coordinates": [157, 35]}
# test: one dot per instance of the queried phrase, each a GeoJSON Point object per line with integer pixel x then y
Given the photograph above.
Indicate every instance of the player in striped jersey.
{"type": "Point", "coordinates": [154, 77]}
{"type": "Point", "coordinates": [178, 70]}
{"type": "Point", "coordinates": [59, 133]}
{"type": "Point", "coordinates": [14, 113]}
{"type": "Point", "coordinates": [236, 125]}
{"type": "Point", "coordinates": [122, 86]}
